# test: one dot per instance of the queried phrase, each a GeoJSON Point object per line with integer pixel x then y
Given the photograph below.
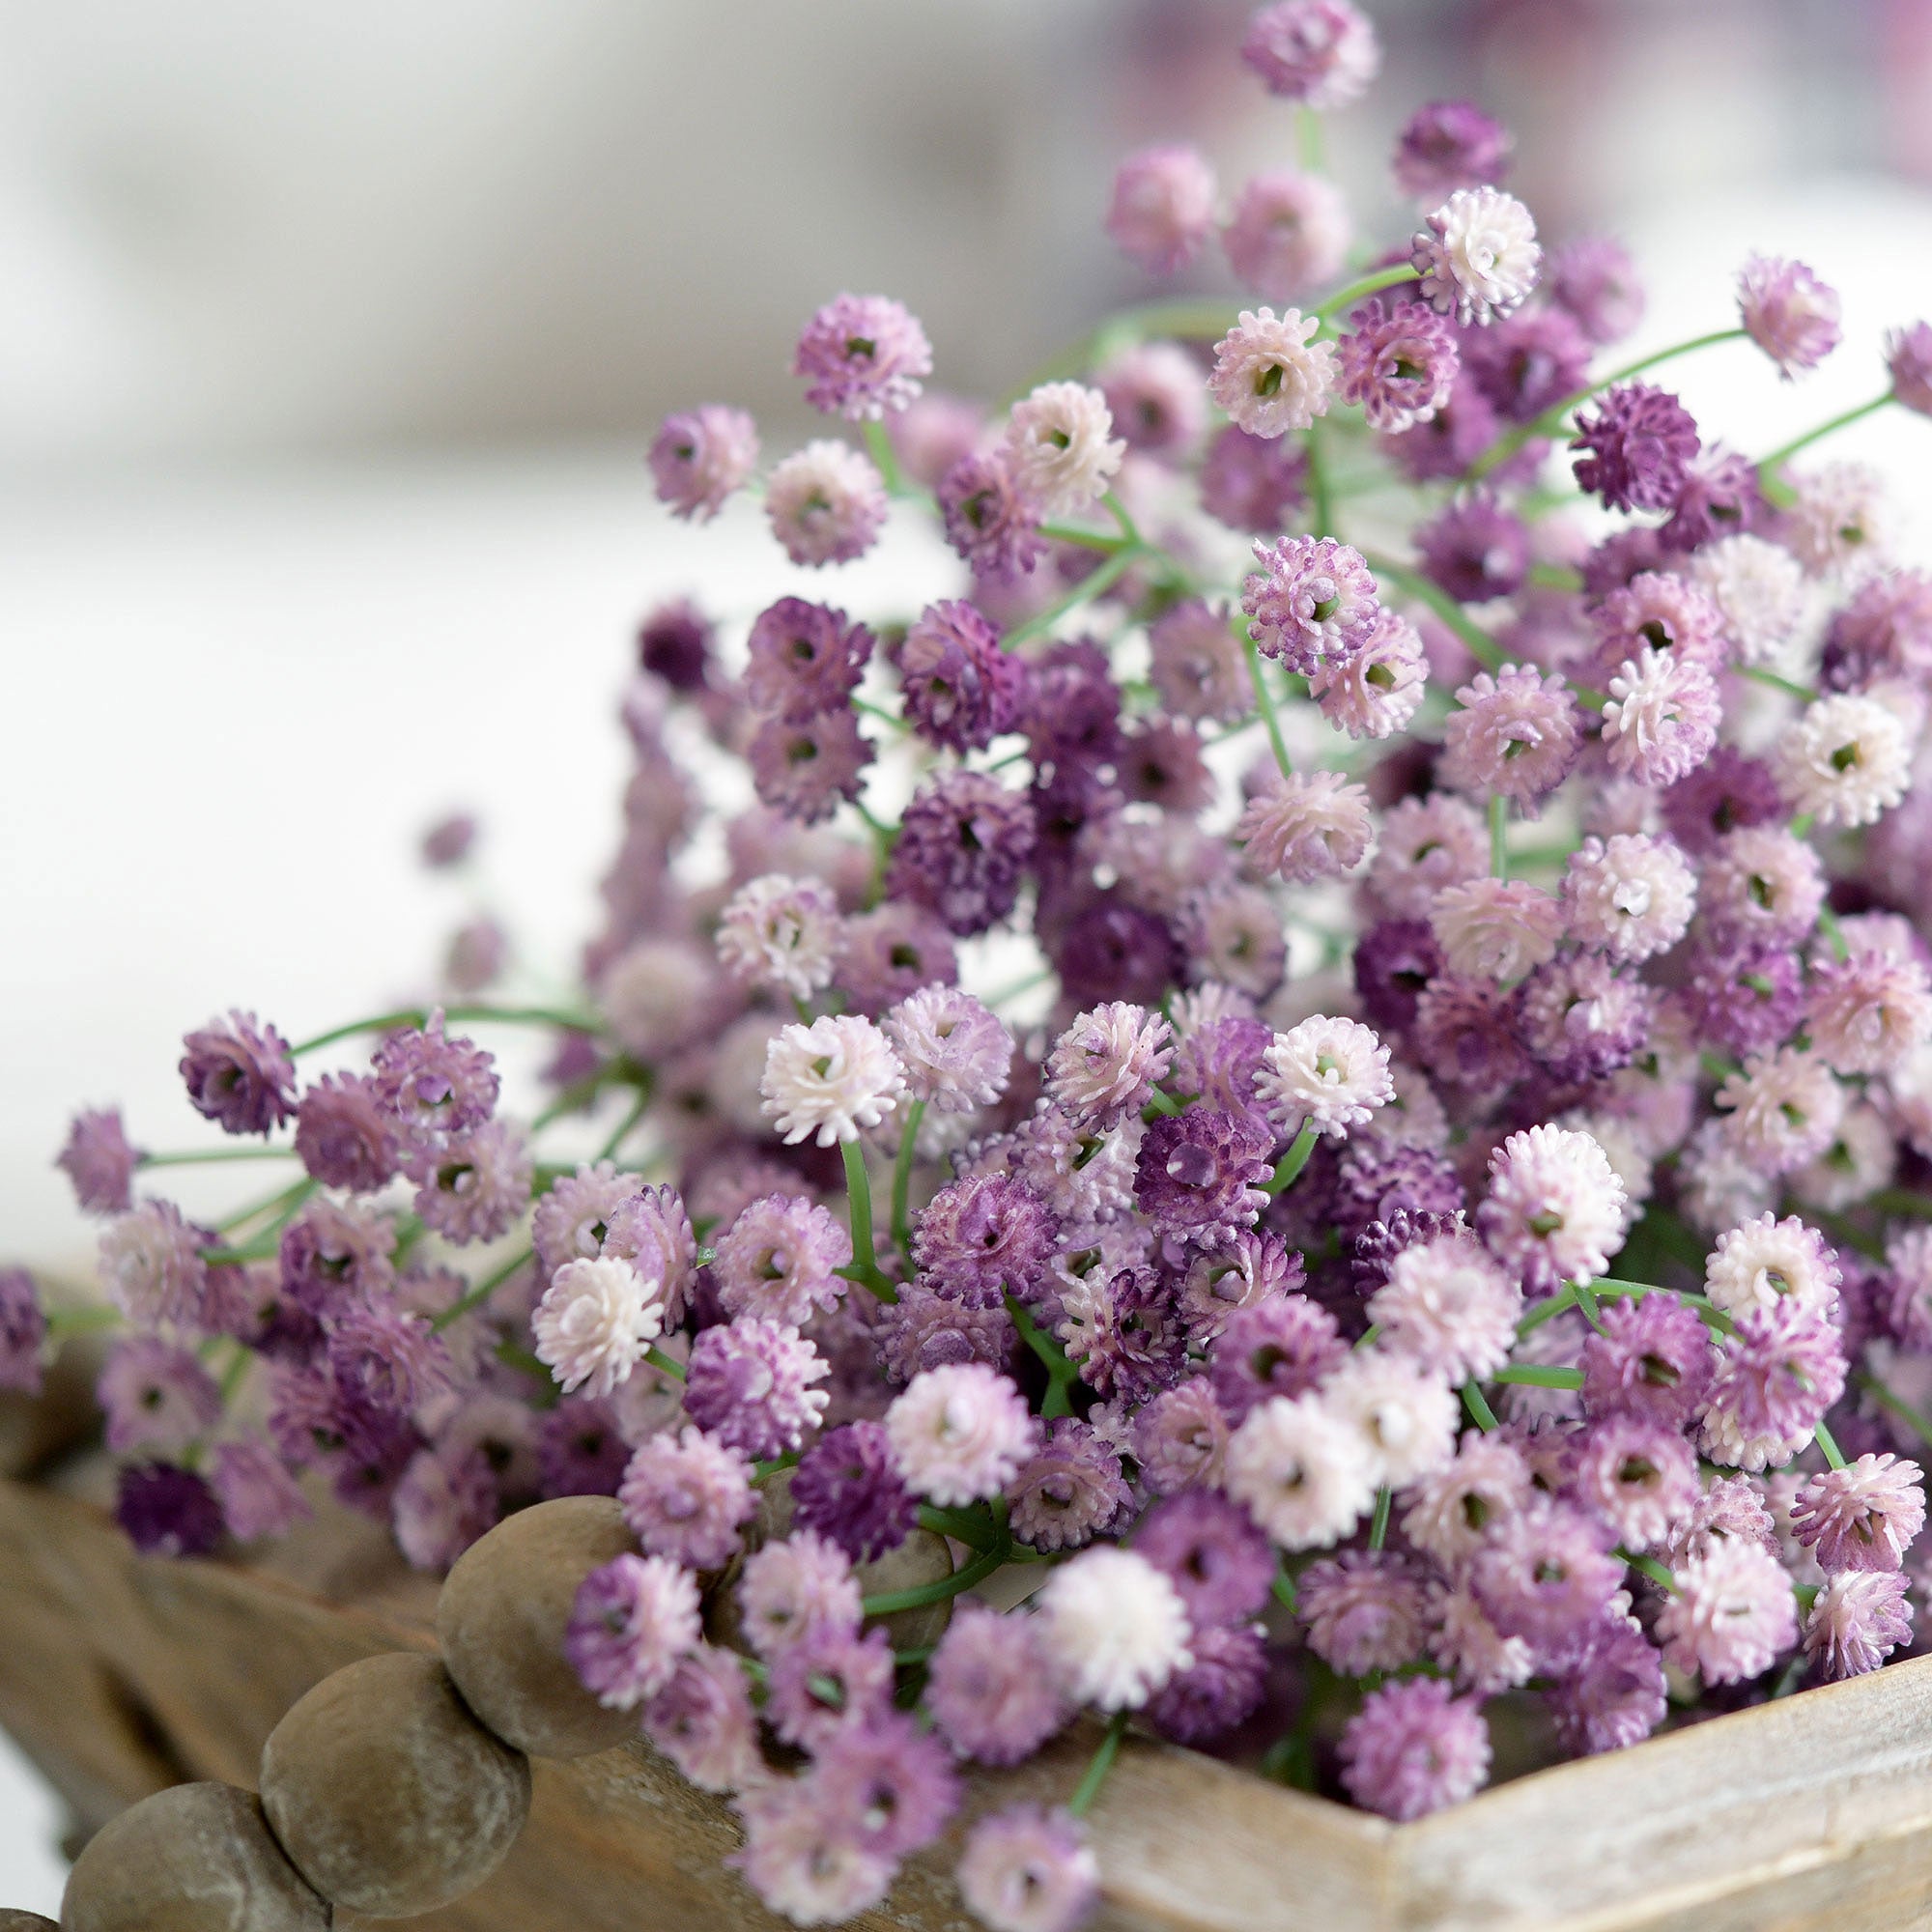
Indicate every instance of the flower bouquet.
{"type": "Point", "coordinates": [1294, 1120]}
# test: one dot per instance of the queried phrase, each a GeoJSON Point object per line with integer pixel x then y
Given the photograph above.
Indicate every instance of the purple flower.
{"type": "Point", "coordinates": [1200, 1172]}
{"type": "Point", "coordinates": [1210, 1551]}
{"type": "Point", "coordinates": [1365, 1610]}
{"type": "Point", "coordinates": [346, 1135]}
{"type": "Point", "coordinates": [432, 1084]}
{"type": "Point", "coordinates": [167, 1511]}
{"type": "Point", "coordinates": [581, 1450]}
{"type": "Point", "coordinates": [476, 1185]}
{"type": "Point", "coordinates": [1069, 1492]}
{"type": "Point", "coordinates": [156, 1396]}
{"type": "Point", "coordinates": [1581, 1020]}
{"type": "Point", "coordinates": [1545, 1573]}
{"type": "Point", "coordinates": [1718, 497]}
{"type": "Point", "coordinates": [1729, 789]}
{"type": "Point", "coordinates": [23, 1331]}
{"type": "Point", "coordinates": [700, 456]}
{"type": "Point", "coordinates": [989, 520]}
{"type": "Point", "coordinates": [1788, 312]}
{"type": "Point", "coordinates": [1746, 997]}
{"type": "Point", "coordinates": [1322, 53]}
{"type": "Point", "coordinates": [1127, 1333]}
{"type": "Point", "coordinates": [1280, 1348]}
{"type": "Point", "coordinates": [632, 1621]}
{"type": "Point", "coordinates": [1856, 1621]}
{"type": "Point", "coordinates": [152, 1267]}
{"type": "Point", "coordinates": [1162, 206]}
{"type": "Point", "coordinates": [1862, 1517]}
{"type": "Point", "coordinates": [1398, 363]}
{"type": "Point", "coordinates": [445, 1500]}
{"type": "Point", "coordinates": [862, 356]}
{"type": "Point", "coordinates": [258, 1496]}
{"type": "Point", "coordinates": [332, 1254]}
{"type": "Point", "coordinates": [848, 1489]}
{"type": "Point", "coordinates": [779, 1259]}
{"type": "Point", "coordinates": [1312, 599]}
{"type": "Point", "coordinates": [922, 1330]}
{"type": "Point", "coordinates": [1775, 1378]}
{"type": "Point", "coordinates": [1606, 1687]}
{"type": "Point", "coordinates": [1443, 445]}
{"type": "Point", "coordinates": [1447, 145]}
{"type": "Point", "coordinates": [984, 1237]}
{"type": "Point", "coordinates": [100, 1161]}
{"type": "Point", "coordinates": [674, 642]}
{"type": "Point", "coordinates": [240, 1073]}
{"type": "Point", "coordinates": [804, 659]}
{"type": "Point", "coordinates": [1908, 361]}
{"type": "Point", "coordinates": [888, 953]}
{"type": "Point", "coordinates": [1221, 1687]}
{"type": "Point", "coordinates": [1639, 444]}
{"type": "Point", "coordinates": [1029, 1870]}
{"type": "Point", "coordinates": [961, 690]}
{"type": "Point", "coordinates": [686, 1496]}
{"type": "Point", "coordinates": [393, 1358]}
{"type": "Point", "coordinates": [1652, 1358]}
{"type": "Point", "coordinates": [803, 768]}
{"type": "Point", "coordinates": [1529, 363]}
{"type": "Point", "coordinates": [1594, 279]}
{"type": "Point", "coordinates": [1475, 549]}
{"type": "Point", "coordinates": [830, 1679]}
{"type": "Point", "coordinates": [748, 1383]}
{"type": "Point", "coordinates": [1181, 1437]}
{"type": "Point", "coordinates": [1414, 1748]}
{"type": "Point", "coordinates": [448, 842]}
{"type": "Point", "coordinates": [1252, 482]}
{"type": "Point", "coordinates": [892, 1781]}
{"type": "Point", "coordinates": [991, 1688]}
{"type": "Point", "coordinates": [964, 840]}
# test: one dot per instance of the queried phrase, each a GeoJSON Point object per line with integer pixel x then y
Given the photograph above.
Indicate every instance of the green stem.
{"type": "Point", "coordinates": [879, 446]}
{"type": "Point", "coordinates": [1102, 1762]}
{"type": "Point", "coordinates": [973, 1526]}
{"type": "Point", "coordinates": [482, 1291]}
{"type": "Point", "coordinates": [1308, 140]}
{"type": "Point", "coordinates": [1651, 1568]}
{"type": "Point", "coordinates": [1482, 646]}
{"type": "Point", "coordinates": [982, 1566]}
{"type": "Point", "coordinates": [1368, 285]}
{"type": "Point", "coordinates": [622, 1133]}
{"type": "Point", "coordinates": [1061, 1371]}
{"type": "Point", "coordinates": [1130, 532]}
{"type": "Point", "coordinates": [1265, 701]}
{"type": "Point", "coordinates": [1897, 1404]}
{"type": "Point", "coordinates": [1771, 680]}
{"type": "Point", "coordinates": [665, 1365]}
{"type": "Point", "coordinates": [88, 1320]}
{"type": "Point", "coordinates": [859, 1198]}
{"type": "Point", "coordinates": [281, 1205]}
{"type": "Point", "coordinates": [1290, 1164]}
{"type": "Point", "coordinates": [1551, 421]}
{"type": "Point", "coordinates": [236, 1374]}
{"type": "Point", "coordinates": [1379, 1527]}
{"type": "Point", "coordinates": [1285, 1593]}
{"type": "Point", "coordinates": [1548, 1310]}
{"type": "Point", "coordinates": [1834, 1455]}
{"type": "Point", "coordinates": [1480, 1411]}
{"type": "Point", "coordinates": [213, 1155]}
{"type": "Point", "coordinates": [1065, 533]}
{"type": "Point", "coordinates": [1320, 499]}
{"type": "Point", "coordinates": [1586, 1300]}
{"type": "Point", "coordinates": [902, 1178]}
{"type": "Point", "coordinates": [1499, 818]}
{"type": "Point", "coordinates": [1770, 466]}
{"type": "Point", "coordinates": [1089, 586]}
{"type": "Point", "coordinates": [1535, 1375]}
{"type": "Point", "coordinates": [417, 1016]}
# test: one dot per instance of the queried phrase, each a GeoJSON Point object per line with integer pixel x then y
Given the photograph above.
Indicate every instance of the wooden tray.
{"type": "Point", "coordinates": [119, 1674]}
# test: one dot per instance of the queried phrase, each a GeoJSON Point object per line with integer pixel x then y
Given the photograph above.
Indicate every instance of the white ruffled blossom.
{"type": "Point", "coordinates": [780, 933]}
{"type": "Point", "coordinates": [833, 1078]}
{"type": "Point", "coordinates": [1061, 446]}
{"type": "Point", "coordinates": [1115, 1628]}
{"type": "Point", "coordinates": [1269, 375]}
{"type": "Point", "coordinates": [1759, 586]}
{"type": "Point", "coordinates": [1846, 761]}
{"type": "Point", "coordinates": [1302, 1472]}
{"type": "Point", "coordinates": [1330, 1075]}
{"type": "Point", "coordinates": [1477, 256]}
{"type": "Point", "coordinates": [595, 1322]}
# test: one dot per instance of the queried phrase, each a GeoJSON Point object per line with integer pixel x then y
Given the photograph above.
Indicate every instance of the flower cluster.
{"type": "Point", "coordinates": [1443, 1216]}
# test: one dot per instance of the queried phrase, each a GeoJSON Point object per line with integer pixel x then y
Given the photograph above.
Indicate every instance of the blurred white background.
{"type": "Point", "coordinates": [331, 340]}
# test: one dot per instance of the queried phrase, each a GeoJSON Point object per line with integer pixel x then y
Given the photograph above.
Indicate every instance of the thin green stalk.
{"type": "Point", "coordinates": [1652, 1568]}
{"type": "Point", "coordinates": [1834, 1455]}
{"type": "Point", "coordinates": [1482, 646]}
{"type": "Point", "coordinates": [1551, 421]}
{"type": "Point", "coordinates": [665, 1365]}
{"type": "Point", "coordinates": [1499, 850]}
{"type": "Point", "coordinates": [879, 446]}
{"type": "Point", "coordinates": [919, 1595]}
{"type": "Point", "coordinates": [1320, 499]}
{"type": "Point", "coordinates": [1065, 533]}
{"type": "Point", "coordinates": [417, 1016]}
{"type": "Point", "coordinates": [1480, 1411]}
{"type": "Point", "coordinates": [213, 1155]}
{"type": "Point", "coordinates": [1770, 466]}
{"type": "Point", "coordinates": [973, 1527]}
{"type": "Point", "coordinates": [1535, 1375]}
{"type": "Point", "coordinates": [1368, 285]}
{"type": "Point", "coordinates": [1014, 988]}
{"type": "Point", "coordinates": [1102, 1762]}
{"type": "Point", "coordinates": [1093, 584]}
{"type": "Point", "coordinates": [622, 1132]}
{"type": "Point", "coordinates": [482, 1291]}
{"type": "Point", "coordinates": [1130, 531]}
{"type": "Point", "coordinates": [1265, 701]}
{"type": "Point", "coordinates": [282, 1204]}
{"type": "Point", "coordinates": [902, 1178]}
{"type": "Point", "coordinates": [866, 1267]}
{"type": "Point", "coordinates": [236, 1373]}
{"type": "Point", "coordinates": [1308, 140]}
{"type": "Point", "coordinates": [1586, 1300]}
{"type": "Point", "coordinates": [579, 1094]}
{"type": "Point", "coordinates": [1379, 1526]}
{"type": "Point", "coordinates": [1548, 1310]}
{"type": "Point", "coordinates": [1771, 680]}
{"type": "Point", "coordinates": [1061, 1371]}
{"type": "Point", "coordinates": [1289, 1168]}
{"type": "Point", "coordinates": [1285, 1593]}
{"type": "Point", "coordinates": [88, 1320]}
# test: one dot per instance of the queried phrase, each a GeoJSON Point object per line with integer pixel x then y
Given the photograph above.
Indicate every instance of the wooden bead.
{"type": "Point", "coordinates": [25, 1921]}
{"type": "Point", "coordinates": [501, 1618]}
{"type": "Point", "coordinates": [389, 1796]}
{"type": "Point", "coordinates": [195, 1858]}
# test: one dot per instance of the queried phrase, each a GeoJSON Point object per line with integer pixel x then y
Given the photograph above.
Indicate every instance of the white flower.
{"type": "Point", "coordinates": [594, 1323]}
{"type": "Point", "coordinates": [1301, 1472]}
{"type": "Point", "coordinates": [1629, 895]}
{"type": "Point", "coordinates": [832, 1078]}
{"type": "Point", "coordinates": [1108, 1060]}
{"type": "Point", "coordinates": [1760, 588]}
{"type": "Point", "coordinates": [1115, 1628]}
{"type": "Point", "coordinates": [1555, 1206]}
{"type": "Point", "coordinates": [1846, 761]}
{"type": "Point", "coordinates": [1268, 376]}
{"type": "Point", "coordinates": [1312, 825]}
{"type": "Point", "coordinates": [781, 933]}
{"type": "Point", "coordinates": [1716, 1185]}
{"type": "Point", "coordinates": [1756, 1265]}
{"type": "Point", "coordinates": [1060, 448]}
{"type": "Point", "coordinates": [825, 503]}
{"type": "Point", "coordinates": [1785, 1108]}
{"type": "Point", "coordinates": [1660, 719]}
{"type": "Point", "coordinates": [1478, 257]}
{"type": "Point", "coordinates": [1405, 1415]}
{"type": "Point", "coordinates": [651, 992]}
{"type": "Point", "coordinates": [1495, 928]}
{"type": "Point", "coordinates": [959, 1434]}
{"type": "Point", "coordinates": [1331, 1074]}
{"type": "Point", "coordinates": [1840, 521]}
{"type": "Point", "coordinates": [1449, 1306]}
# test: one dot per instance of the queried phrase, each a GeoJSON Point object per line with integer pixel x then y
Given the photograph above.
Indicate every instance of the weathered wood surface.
{"type": "Point", "coordinates": [121, 1674]}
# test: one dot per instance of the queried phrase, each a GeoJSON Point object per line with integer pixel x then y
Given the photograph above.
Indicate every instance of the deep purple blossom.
{"type": "Point", "coordinates": [1640, 442]}
{"type": "Point", "coordinates": [240, 1073]}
